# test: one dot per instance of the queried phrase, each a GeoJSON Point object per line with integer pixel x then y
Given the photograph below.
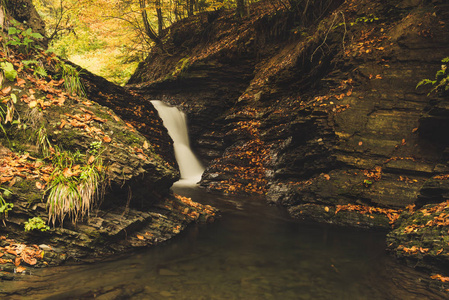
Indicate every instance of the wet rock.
{"type": "Point", "coordinates": [167, 272]}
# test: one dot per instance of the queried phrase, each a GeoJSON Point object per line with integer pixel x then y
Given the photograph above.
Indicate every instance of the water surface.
{"type": "Point", "coordinates": [252, 252]}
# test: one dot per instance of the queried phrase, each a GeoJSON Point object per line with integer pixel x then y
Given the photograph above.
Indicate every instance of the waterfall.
{"type": "Point", "coordinates": [176, 123]}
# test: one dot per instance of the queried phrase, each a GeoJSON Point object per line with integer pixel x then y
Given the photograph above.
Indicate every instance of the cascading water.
{"type": "Point", "coordinates": [175, 122]}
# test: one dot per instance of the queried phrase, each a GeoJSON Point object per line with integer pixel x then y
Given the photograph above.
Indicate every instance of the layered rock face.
{"type": "Point", "coordinates": [321, 117]}
{"type": "Point", "coordinates": [63, 147]}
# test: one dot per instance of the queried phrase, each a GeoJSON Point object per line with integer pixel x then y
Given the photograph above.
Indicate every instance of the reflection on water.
{"type": "Point", "coordinates": [253, 252]}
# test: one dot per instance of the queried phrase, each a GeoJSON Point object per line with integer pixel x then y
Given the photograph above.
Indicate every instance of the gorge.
{"type": "Point", "coordinates": [313, 110]}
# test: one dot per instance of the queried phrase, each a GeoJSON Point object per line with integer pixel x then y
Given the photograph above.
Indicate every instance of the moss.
{"type": "Point", "coordinates": [182, 65]}
{"type": "Point", "coordinates": [27, 189]}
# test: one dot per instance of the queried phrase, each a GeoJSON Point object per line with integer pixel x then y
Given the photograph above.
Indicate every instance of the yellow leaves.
{"type": "Point", "coordinates": [6, 90]}
{"type": "Point", "coordinates": [371, 76]}
{"type": "Point", "coordinates": [39, 185]}
{"type": "Point", "coordinates": [23, 166]}
{"type": "Point", "coordinates": [440, 278]}
{"type": "Point", "coordinates": [28, 254]}
{"type": "Point", "coordinates": [91, 160]}
{"type": "Point", "coordinates": [413, 249]}
{"type": "Point", "coordinates": [408, 180]}
{"type": "Point", "coordinates": [374, 174]}
{"type": "Point", "coordinates": [391, 214]}
{"type": "Point", "coordinates": [20, 82]}
{"type": "Point", "coordinates": [117, 119]}
{"type": "Point", "coordinates": [63, 123]}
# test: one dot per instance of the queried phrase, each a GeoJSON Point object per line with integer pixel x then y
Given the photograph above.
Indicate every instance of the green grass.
{"type": "Point", "coordinates": [74, 188]}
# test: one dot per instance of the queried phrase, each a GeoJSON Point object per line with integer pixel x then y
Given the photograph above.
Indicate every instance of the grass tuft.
{"type": "Point", "coordinates": [74, 189]}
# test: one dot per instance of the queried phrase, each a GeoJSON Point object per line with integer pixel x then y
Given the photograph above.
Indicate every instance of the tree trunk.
{"type": "Point", "coordinates": [148, 29]}
{"type": "Point", "coordinates": [160, 20]}
{"type": "Point", "coordinates": [241, 11]}
{"type": "Point", "coordinates": [190, 7]}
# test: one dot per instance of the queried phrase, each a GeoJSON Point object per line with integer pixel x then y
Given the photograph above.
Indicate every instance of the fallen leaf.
{"type": "Point", "coordinates": [140, 237]}
{"type": "Point", "coordinates": [17, 261]}
{"type": "Point", "coordinates": [67, 172]}
{"type": "Point", "coordinates": [6, 90]}
{"type": "Point", "coordinates": [39, 185]}
{"type": "Point", "coordinates": [107, 139]}
{"type": "Point", "coordinates": [91, 159]}
{"type": "Point", "coordinates": [20, 269]}
{"type": "Point", "coordinates": [20, 81]}
{"type": "Point", "coordinates": [63, 123]}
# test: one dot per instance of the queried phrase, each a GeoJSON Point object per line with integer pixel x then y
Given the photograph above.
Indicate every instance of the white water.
{"type": "Point", "coordinates": [175, 122]}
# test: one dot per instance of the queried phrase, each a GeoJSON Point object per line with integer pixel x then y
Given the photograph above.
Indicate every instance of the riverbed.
{"type": "Point", "coordinates": [254, 251]}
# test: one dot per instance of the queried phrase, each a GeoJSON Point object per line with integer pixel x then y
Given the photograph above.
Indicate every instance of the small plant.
{"type": "Point", "coordinates": [73, 188]}
{"type": "Point", "coordinates": [71, 76]}
{"type": "Point", "coordinates": [441, 82]}
{"type": "Point", "coordinates": [94, 147]}
{"type": "Point", "coordinates": [8, 113]}
{"type": "Point", "coordinates": [365, 19]}
{"type": "Point", "coordinates": [42, 142]}
{"type": "Point", "coordinates": [23, 39]}
{"type": "Point", "coordinates": [8, 70]}
{"type": "Point", "coordinates": [36, 223]}
{"type": "Point", "coordinates": [5, 207]}
{"type": "Point", "coordinates": [367, 183]}
{"type": "Point", "coordinates": [36, 66]}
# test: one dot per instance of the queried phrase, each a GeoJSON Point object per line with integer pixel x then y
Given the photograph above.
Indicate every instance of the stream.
{"type": "Point", "coordinates": [253, 251]}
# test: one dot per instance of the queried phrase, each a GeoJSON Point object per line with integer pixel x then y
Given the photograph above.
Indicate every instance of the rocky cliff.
{"type": "Point", "coordinates": [315, 108]}
{"type": "Point", "coordinates": [85, 166]}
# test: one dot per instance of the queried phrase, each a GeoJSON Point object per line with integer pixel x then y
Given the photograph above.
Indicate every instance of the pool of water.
{"type": "Point", "coordinates": [253, 252]}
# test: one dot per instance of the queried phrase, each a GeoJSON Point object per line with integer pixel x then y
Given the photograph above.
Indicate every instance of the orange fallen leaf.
{"type": "Point", "coordinates": [67, 172]}
{"type": "Point", "coordinates": [140, 237]}
{"type": "Point", "coordinates": [6, 90]}
{"type": "Point", "coordinates": [20, 269]}
{"type": "Point", "coordinates": [63, 123]}
{"type": "Point", "coordinates": [20, 81]}
{"type": "Point", "coordinates": [17, 261]}
{"type": "Point", "coordinates": [91, 160]}
{"type": "Point", "coordinates": [107, 139]}
{"type": "Point", "coordinates": [141, 156]}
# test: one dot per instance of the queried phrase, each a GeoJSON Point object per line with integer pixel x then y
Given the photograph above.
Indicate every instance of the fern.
{"type": "Point", "coordinates": [441, 81]}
